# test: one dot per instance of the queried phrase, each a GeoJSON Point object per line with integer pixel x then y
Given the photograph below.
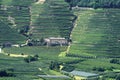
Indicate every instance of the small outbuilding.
{"type": "Point", "coordinates": [56, 41]}
{"type": "Point", "coordinates": [80, 75]}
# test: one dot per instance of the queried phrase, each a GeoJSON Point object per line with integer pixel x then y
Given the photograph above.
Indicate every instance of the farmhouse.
{"type": "Point", "coordinates": [80, 75]}
{"type": "Point", "coordinates": [54, 41]}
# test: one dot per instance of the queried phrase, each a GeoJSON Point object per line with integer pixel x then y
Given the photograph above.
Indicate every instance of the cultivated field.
{"type": "Point", "coordinates": [96, 33]}
{"type": "Point", "coordinates": [32, 69]}
{"type": "Point", "coordinates": [95, 38]}
{"type": "Point", "coordinates": [53, 19]}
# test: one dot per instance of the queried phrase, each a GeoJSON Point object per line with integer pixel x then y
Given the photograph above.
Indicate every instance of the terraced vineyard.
{"type": "Point", "coordinates": [14, 18]}
{"type": "Point", "coordinates": [96, 33]}
{"type": "Point", "coordinates": [55, 19]}
{"type": "Point", "coordinates": [9, 35]}
{"type": "Point", "coordinates": [29, 71]}
{"type": "Point", "coordinates": [95, 39]}
{"type": "Point", "coordinates": [51, 19]}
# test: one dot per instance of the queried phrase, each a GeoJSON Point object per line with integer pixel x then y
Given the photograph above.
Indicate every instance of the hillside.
{"type": "Point", "coordinates": [95, 3]}
{"type": "Point", "coordinates": [15, 20]}
{"type": "Point", "coordinates": [54, 19]}
{"type": "Point", "coordinates": [9, 35]}
{"type": "Point", "coordinates": [8, 32]}
{"type": "Point", "coordinates": [96, 33]}
{"type": "Point", "coordinates": [35, 20]}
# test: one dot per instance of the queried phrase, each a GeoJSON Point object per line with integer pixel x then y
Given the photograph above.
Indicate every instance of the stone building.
{"type": "Point", "coordinates": [56, 41]}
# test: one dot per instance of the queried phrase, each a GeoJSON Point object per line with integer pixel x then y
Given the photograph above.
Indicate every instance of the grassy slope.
{"type": "Point", "coordinates": [96, 33]}
{"type": "Point", "coordinates": [9, 35]}
{"type": "Point", "coordinates": [41, 51]}
{"type": "Point", "coordinates": [8, 32]}
{"type": "Point", "coordinates": [85, 29]}
{"type": "Point", "coordinates": [54, 19]}
{"type": "Point", "coordinates": [28, 70]}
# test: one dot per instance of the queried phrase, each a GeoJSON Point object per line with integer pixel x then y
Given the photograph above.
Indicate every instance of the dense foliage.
{"type": "Point", "coordinates": [95, 3]}
{"type": "Point", "coordinates": [7, 73]}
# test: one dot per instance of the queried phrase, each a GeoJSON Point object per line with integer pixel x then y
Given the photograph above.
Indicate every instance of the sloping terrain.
{"type": "Point", "coordinates": [97, 33]}
{"type": "Point", "coordinates": [51, 19]}
{"type": "Point", "coordinates": [54, 19]}
{"type": "Point", "coordinates": [9, 35]}
{"type": "Point", "coordinates": [7, 31]}
{"type": "Point", "coordinates": [15, 20]}
{"type": "Point", "coordinates": [95, 39]}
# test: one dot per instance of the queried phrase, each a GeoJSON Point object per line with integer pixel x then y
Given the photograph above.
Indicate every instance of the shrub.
{"type": "Point", "coordinates": [118, 77]}
{"type": "Point", "coordinates": [100, 69]}
{"type": "Point", "coordinates": [68, 68]}
{"type": "Point", "coordinates": [30, 44]}
{"type": "Point", "coordinates": [54, 65]}
{"type": "Point", "coordinates": [7, 73]}
{"type": "Point", "coordinates": [36, 55]}
{"type": "Point", "coordinates": [111, 75]}
{"type": "Point", "coordinates": [115, 61]}
{"type": "Point", "coordinates": [31, 58]}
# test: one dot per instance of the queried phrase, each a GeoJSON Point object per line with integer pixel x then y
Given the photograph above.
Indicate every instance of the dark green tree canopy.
{"type": "Point", "coordinates": [95, 3]}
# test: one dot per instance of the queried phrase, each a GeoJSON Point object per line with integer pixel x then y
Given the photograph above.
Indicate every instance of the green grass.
{"type": "Point", "coordinates": [46, 54]}
{"type": "Point", "coordinates": [43, 52]}
{"type": "Point", "coordinates": [22, 16]}
{"type": "Point", "coordinates": [8, 34]}
{"type": "Point", "coordinates": [9, 78]}
{"type": "Point", "coordinates": [6, 2]}
{"type": "Point", "coordinates": [96, 33]}
{"type": "Point", "coordinates": [30, 70]}
{"type": "Point", "coordinates": [53, 15]}
{"type": "Point", "coordinates": [89, 64]}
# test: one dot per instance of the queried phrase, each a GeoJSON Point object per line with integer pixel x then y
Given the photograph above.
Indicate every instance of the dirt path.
{"type": "Point", "coordinates": [40, 1]}
{"type": "Point", "coordinates": [13, 55]}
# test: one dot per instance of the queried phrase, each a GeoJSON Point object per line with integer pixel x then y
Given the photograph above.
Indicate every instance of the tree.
{"type": "Point", "coordinates": [115, 61]}
{"type": "Point", "coordinates": [54, 65]}
{"type": "Point", "coordinates": [7, 73]}
{"type": "Point", "coordinates": [3, 73]}
{"type": "Point", "coordinates": [68, 68]}
{"type": "Point", "coordinates": [30, 44]}
{"type": "Point", "coordinates": [0, 2]}
{"type": "Point", "coordinates": [95, 4]}
{"type": "Point", "coordinates": [31, 58]}
{"type": "Point", "coordinates": [72, 2]}
{"type": "Point", "coordinates": [100, 69]}
{"type": "Point", "coordinates": [111, 75]}
{"type": "Point", "coordinates": [118, 77]}
{"type": "Point", "coordinates": [36, 55]}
